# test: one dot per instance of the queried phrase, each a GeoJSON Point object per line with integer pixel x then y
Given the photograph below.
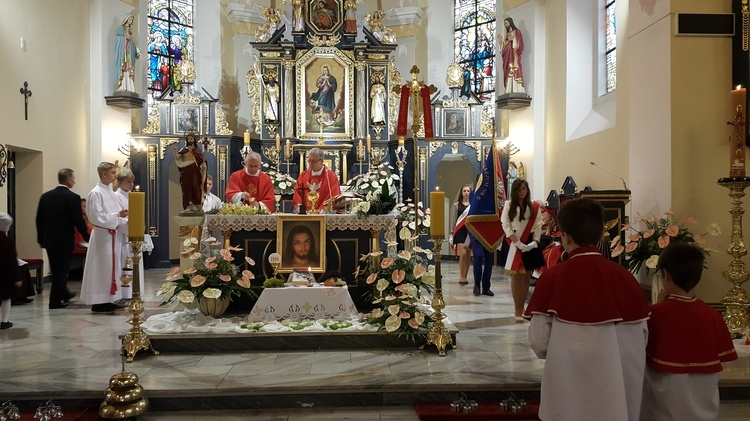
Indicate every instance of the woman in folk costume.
{"type": "Point", "coordinates": [101, 274]}
{"type": "Point", "coordinates": [522, 223]}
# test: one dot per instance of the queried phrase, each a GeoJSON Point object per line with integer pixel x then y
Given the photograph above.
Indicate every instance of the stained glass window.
{"type": "Point", "coordinates": [610, 49]}
{"type": "Point", "coordinates": [474, 45]}
{"type": "Point", "coordinates": [170, 38]}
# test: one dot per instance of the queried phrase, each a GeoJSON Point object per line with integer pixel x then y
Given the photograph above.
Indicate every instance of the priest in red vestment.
{"type": "Point", "coordinates": [317, 174]}
{"type": "Point", "coordinates": [251, 186]}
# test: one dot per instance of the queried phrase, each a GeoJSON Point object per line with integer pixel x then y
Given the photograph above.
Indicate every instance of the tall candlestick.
{"type": "Point", "coordinates": [369, 143]}
{"type": "Point", "coordinates": [287, 149]}
{"type": "Point", "coordinates": [437, 213]}
{"type": "Point", "coordinates": [247, 138]}
{"type": "Point", "coordinates": [278, 143]}
{"type": "Point", "coordinates": [136, 214]}
{"type": "Point", "coordinates": [737, 150]}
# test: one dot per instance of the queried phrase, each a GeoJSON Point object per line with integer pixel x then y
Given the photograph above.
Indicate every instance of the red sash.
{"type": "Point", "coordinates": [525, 234]}
{"type": "Point", "coordinates": [113, 288]}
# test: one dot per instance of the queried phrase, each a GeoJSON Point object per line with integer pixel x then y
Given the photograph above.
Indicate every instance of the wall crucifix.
{"type": "Point", "coordinates": [26, 92]}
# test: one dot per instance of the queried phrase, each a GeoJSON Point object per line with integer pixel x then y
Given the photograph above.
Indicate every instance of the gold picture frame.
{"type": "Point", "coordinates": [310, 228]}
{"type": "Point", "coordinates": [325, 92]}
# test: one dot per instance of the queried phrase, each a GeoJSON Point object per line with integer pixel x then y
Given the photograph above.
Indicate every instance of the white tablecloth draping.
{"type": "Point", "coordinates": [299, 303]}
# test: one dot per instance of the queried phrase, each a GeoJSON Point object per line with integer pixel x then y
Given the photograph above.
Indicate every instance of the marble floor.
{"type": "Point", "coordinates": [72, 353]}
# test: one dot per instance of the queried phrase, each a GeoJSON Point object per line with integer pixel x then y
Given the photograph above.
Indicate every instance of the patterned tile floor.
{"type": "Point", "coordinates": [50, 352]}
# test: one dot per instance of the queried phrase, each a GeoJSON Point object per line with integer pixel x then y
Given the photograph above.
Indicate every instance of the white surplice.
{"type": "Point", "coordinates": [604, 361]}
{"type": "Point", "coordinates": [103, 210]}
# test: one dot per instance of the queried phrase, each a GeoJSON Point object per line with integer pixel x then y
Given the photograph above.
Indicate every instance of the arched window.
{"type": "Point", "coordinates": [170, 39]}
{"type": "Point", "coordinates": [610, 48]}
{"type": "Point", "coordinates": [474, 44]}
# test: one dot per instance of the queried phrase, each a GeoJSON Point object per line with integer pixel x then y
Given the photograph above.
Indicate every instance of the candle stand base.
{"type": "Point", "coordinates": [136, 339]}
{"type": "Point", "coordinates": [736, 301]}
{"type": "Point", "coordinates": [438, 335]}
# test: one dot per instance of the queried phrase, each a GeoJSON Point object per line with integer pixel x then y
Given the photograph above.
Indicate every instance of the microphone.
{"type": "Point", "coordinates": [624, 185]}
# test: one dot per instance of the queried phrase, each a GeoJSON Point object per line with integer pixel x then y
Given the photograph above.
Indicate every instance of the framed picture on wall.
{"type": "Point", "coordinates": [301, 240]}
{"type": "Point", "coordinates": [187, 117]}
{"type": "Point", "coordinates": [454, 122]}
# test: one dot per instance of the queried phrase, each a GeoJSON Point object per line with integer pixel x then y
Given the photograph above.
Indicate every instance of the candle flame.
{"type": "Point", "coordinates": [739, 87]}
{"type": "Point", "coordinates": [137, 188]}
{"type": "Point", "coordinates": [437, 188]}
{"type": "Point", "coordinates": [309, 268]}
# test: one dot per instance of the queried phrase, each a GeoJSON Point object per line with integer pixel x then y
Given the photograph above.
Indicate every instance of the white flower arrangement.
{"type": "Point", "coordinates": [282, 183]}
{"type": "Point", "coordinates": [372, 182]}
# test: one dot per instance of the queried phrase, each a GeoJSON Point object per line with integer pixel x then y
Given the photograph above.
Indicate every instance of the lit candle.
{"type": "Point", "coordinates": [287, 149]}
{"type": "Point", "coordinates": [247, 138]}
{"type": "Point", "coordinates": [136, 214]}
{"type": "Point", "coordinates": [309, 269]}
{"type": "Point", "coordinates": [737, 150]}
{"type": "Point", "coordinates": [278, 143]}
{"type": "Point", "coordinates": [437, 213]}
{"type": "Point", "coordinates": [369, 143]}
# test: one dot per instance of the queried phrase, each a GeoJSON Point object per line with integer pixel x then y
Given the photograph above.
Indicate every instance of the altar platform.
{"type": "Point", "coordinates": [69, 355]}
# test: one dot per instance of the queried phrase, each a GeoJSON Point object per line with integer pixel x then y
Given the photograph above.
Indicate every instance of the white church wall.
{"type": "Point", "coordinates": [45, 44]}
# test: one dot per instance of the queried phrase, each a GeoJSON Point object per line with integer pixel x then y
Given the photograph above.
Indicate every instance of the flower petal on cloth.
{"type": "Point", "coordinates": [663, 241]}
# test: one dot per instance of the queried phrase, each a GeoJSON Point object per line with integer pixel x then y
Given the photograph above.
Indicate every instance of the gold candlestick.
{"type": "Point", "coordinates": [736, 302]}
{"type": "Point", "coordinates": [136, 339]}
{"type": "Point", "coordinates": [438, 335]}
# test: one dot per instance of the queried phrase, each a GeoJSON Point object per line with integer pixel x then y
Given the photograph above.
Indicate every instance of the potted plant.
{"type": "Point", "coordinates": [211, 282]}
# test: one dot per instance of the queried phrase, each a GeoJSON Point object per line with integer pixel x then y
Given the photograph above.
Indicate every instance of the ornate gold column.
{"type": "Point", "coordinates": [736, 302]}
{"type": "Point", "coordinates": [289, 95]}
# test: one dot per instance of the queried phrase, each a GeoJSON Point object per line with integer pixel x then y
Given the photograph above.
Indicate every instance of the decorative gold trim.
{"type": "Point", "coordinates": [477, 146]}
{"type": "Point", "coordinates": [154, 121]}
{"type": "Point", "coordinates": [220, 121]}
{"type": "Point", "coordinates": [328, 41]}
{"type": "Point", "coordinates": [320, 221]}
{"type": "Point", "coordinates": [378, 56]}
{"type": "Point", "coordinates": [434, 146]}
{"type": "Point", "coordinates": [253, 92]}
{"type": "Point", "coordinates": [487, 122]}
{"type": "Point", "coordinates": [335, 242]}
{"type": "Point", "coordinates": [271, 54]}
{"type": "Point", "coordinates": [152, 193]}
{"type": "Point", "coordinates": [394, 79]}
{"type": "Point", "coordinates": [164, 143]}
{"type": "Point", "coordinates": [187, 97]}
{"type": "Point", "coordinates": [334, 54]}
{"type": "Point", "coordinates": [222, 168]}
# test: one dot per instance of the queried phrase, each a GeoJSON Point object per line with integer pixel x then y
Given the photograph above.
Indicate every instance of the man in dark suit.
{"type": "Point", "coordinates": [59, 212]}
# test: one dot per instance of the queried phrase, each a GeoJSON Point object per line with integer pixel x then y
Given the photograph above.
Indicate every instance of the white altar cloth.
{"type": "Point", "coordinates": [299, 303]}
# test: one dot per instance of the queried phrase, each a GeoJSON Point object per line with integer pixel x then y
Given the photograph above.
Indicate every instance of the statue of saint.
{"type": "Point", "coordinates": [126, 52]}
{"type": "Point", "coordinates": [512, 50]}
{"type": "Point", "coordinates": [377, 95]}
{"type": "Point", "coordinates": [271, 96]}
{"type": "Point", "coordinates": [193, 170]}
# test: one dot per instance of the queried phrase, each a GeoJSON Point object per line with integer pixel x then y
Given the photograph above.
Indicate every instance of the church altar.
{"type": "Point", "coordinates": [304, 303]}
{"type": "Point", "coordinates": [343, 239]}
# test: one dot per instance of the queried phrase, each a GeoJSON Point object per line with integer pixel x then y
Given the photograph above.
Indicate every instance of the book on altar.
{"type": "Point", "coordinates": [343, 200]}
{"type": "Point", "coordinates": [301, 279]}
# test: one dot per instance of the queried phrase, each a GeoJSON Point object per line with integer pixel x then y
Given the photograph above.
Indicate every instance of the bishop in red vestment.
{"type": "Point", "coordinates": [317, 173]}
{"type": "Point", "coordinates": [251, 186]}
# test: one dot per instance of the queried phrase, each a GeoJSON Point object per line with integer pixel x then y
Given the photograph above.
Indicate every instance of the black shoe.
{"type": "Point", "coordinates": [61, 304]}
{"type": "Point", "coordinates": [106, 308]}
{"type": "Point", "coordinates": [488, 292]}
{"type": "Point", "coordinates": [69, 296]}
{"type": "Point", "coordinates": [21, 301]}
{"type": "Point", "coordinates": [6, 325]}
{"type": "Point", "coordinates": [476, 290]}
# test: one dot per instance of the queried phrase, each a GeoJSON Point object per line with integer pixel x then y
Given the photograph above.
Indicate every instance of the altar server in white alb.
{"type": "Point", "coordinates": [125, 184]}
{"type": "Point", "coordinates": [101, 274]}
{"type": "Point", "coordinates": [589, 321]}
{"type": "Point", "coordinates": [210, 201]}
